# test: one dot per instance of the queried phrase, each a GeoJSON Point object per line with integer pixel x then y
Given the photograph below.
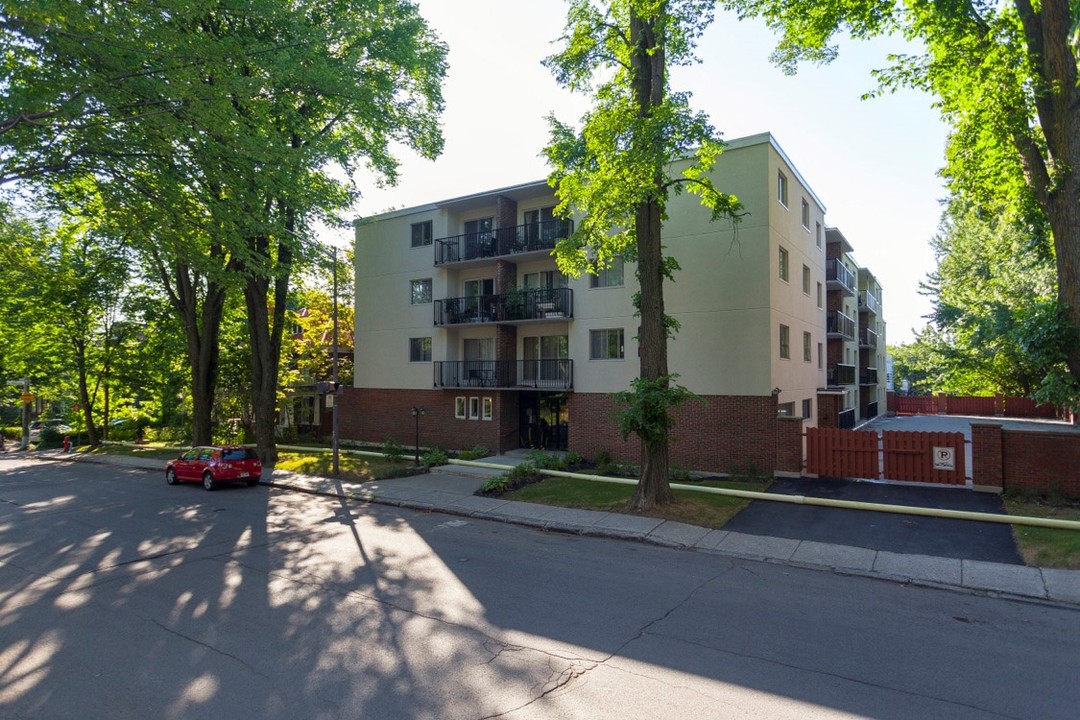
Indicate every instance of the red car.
{"type": "Point", "coordinates": [215, 464]}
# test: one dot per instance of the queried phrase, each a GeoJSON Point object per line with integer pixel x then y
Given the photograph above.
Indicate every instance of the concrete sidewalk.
{"type": "Point", "coordinates": [451, 489]}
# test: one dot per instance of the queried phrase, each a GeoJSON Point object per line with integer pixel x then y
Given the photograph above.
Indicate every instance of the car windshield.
{"type": "Point", "coordinates": [238, 454]}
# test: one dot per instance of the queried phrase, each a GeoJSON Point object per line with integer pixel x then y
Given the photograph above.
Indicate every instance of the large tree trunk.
{"type": "Point", "coordinates": [648, 63]}
{"type": "Point", "coordinates": [265, 333]}
{"type": "Point", "coordinates": [1064, 216]}
{"type": "Point", "coordinates": [84, 393]}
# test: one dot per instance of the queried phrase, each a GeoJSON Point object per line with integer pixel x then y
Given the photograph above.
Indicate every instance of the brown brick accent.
{"type": "Point", "coordinates": [829, 407]}
{"type": "Point", "coordinates": [712, 434]}
{"type": "Point", "coordinates": [1045, 462]}
{"type": "Point", "coordinates": [373, 415]}
{"type": "Point", "coordinates": [505, 276]}
{"type": "Point", "coordinates": [986, 465]}
{"type": "Point", "coordinates": [505, 219]}
{"type": "Point", "coordinates": [506, 342]}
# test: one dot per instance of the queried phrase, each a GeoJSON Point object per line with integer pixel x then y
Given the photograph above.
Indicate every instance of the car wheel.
{"type": "Point", "coordinates": [208, 481]}
{"type": "Point", "coordinates": [170, 476]}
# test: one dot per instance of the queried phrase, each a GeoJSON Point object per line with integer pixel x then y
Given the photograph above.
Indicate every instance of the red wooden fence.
{"type": "Point", "coordinates": [915, 405]}
{"type": "Point", "coordinates": [971, 405]}
{"type": "Point", "coordinates": [911, 456]}
{"type": "Point", "coordinates": [984, 406]}
{"type": "Point", "coordinates": [1026, 407]}
{"type": "Point", "coordinates": [842, 453]}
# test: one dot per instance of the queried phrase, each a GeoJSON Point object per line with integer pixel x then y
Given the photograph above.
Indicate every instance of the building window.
{"type": "Point", "coordinates": [420, 349]}
{"type": "Point", "coordinates": [819, 295]}
{"type": "Point", "coordinates": [817, 233]}
{"type": "Point", "coordinates": [421, 233]}
{"type": "Point", "coordinates": [786, 409]}
{"type": "Point", "coordinates": [459, 407]}
{"type": "Point", "coordinates": [606, 344]}
{"type": "Point", "coordinates": [806, 214]}
{"type": "Point", "coordinates": [781, 188]}
{"type": "Point", "coordinates": [807, 408]}
{"type": "Point", "coordinates": [421, 292]}
{"type": "Point", "coordinates": [806, 347]}
{"type": "Point", "coordinates": [820, 356]}
{"type": "Point", "coordinates": [609, 276]}
{"type": "Point", "coordinates": [785, 342]}
{"type": "Point", "coordinates": [805, 280]}
{"type": "Point", "coordinates": [485, 413]}
{"type": "Point", "coordinates": [783, 264]}
{"type": "Point", "coordinates": [474, 408]}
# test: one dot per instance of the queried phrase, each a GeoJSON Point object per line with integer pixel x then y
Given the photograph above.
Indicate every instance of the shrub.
{"type": "Point", "coordinates": [393, 450]}
{"type": "Point", "coordinates": [573, 459]}
{"type": "Point", "coordinates": [434, 456]}
{"type": "Point", "coordinates": [496, 484]}
{"type": "Point", "coordinates": [680, 475]}
{"type": "Point", "coordinates": [475, 454]}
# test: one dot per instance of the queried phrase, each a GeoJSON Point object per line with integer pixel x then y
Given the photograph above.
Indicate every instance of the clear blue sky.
{"type": "Point", "coordinates": [873, 163]}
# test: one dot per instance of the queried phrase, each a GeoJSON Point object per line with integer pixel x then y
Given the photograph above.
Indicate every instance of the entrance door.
{"type": "Point", "coordinates": [544, 420]}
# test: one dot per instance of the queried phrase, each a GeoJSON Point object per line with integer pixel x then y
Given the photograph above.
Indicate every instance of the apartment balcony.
{"type": "Point", "coordinates": [845, 420]}
{"type": "Point", "coordinates": [505, 374]}
{"type": "Point", "coordinates": [871, 410]}
{"type": "Point", "coordinates": [838, 277]}
{"type": "Point", "coordinates": [868, 303]}
{"type": "Point", "coordinates": [539, 238]}
{"type": "Point", "coordinates": [868, 376]}
{"type": "Point", "coordinates": [839, 325]}
{"type": "Point", "coordinates": [839, 374]}
{"type": "Point", "coordinates": [511, 307]}
{"type": "Point", "coordinates": [868, 339]}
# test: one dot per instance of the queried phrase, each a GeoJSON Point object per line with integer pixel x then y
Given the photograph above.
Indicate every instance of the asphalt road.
{"type": "Point", "coordinates": [122, 597]}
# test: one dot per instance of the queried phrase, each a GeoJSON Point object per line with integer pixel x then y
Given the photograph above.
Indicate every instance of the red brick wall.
{"type": "Point", "coordinates": [1040, 461]}
{"type": "Point", "coordinates": [712, 434]}
{"type": "Point", "coordinates": [373, 415]}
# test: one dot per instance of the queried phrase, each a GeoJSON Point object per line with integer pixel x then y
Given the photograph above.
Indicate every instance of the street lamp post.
{"type": "Point", "coordinates": [334, 412]}
{"type": "Point", "coordinates": [417, 411]}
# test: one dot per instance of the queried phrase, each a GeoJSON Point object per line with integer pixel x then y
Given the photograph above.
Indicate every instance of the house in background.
{"type": "Point", "coordinates": [461, 311]}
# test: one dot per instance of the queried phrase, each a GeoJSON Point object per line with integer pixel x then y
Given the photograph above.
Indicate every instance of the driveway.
{"type": "Point", "coordinates": [909, 534]}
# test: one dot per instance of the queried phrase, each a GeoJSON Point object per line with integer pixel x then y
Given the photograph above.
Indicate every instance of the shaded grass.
{"type": "Point", "coordinates": [1046, 547]}
{"type": "Point", "coordinates": [691, 507]}
{"type": "Point", "coordinates": [353, 468]}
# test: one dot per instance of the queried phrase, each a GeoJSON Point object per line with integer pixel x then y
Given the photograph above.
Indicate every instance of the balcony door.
{"type": "Point", "coordinates": [479, 298]}
{"type": "Point", "coordinates": [542, 356]}
{"type": "Point", "coordinates": [479, 356]}
{"type": "Point", "coordinates": [540, 226]}
{"type": "Point", "coordinates": [479, 238]}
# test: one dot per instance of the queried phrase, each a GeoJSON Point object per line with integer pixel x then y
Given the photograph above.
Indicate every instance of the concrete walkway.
{"type": "Point", "coordinates": [450, 489]}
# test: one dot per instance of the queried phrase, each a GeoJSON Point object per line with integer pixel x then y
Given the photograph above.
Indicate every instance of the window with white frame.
{"type": "Point", "coordinates": [420, 349]}
{"type": "Point", "coordinates": [485, 410]}
{"type": "Point", "coordinates": [820, 355]}
{"type": "Point", "coordinates": [474, 408]}
{"type": "Point", "coordinates": [819, 295]}
{"type": "Point", "coordinates": [807, 345]}
{"type": "Point", "coordinates": [817, 233]}
{"type": "Point", "coordinates": [784, 260]}
{"type": "Point", "coordinates": [807, 408]}
{"type": "Point", "coordinates": [606, 344]}
{"type": "Point", "coordinates": [459, 407]}
{"type": "Point", "coordinates": [805, 214]}
{"type": "Point", "coordinates": [421, 233]}
{"type": "Point", "coordinates": [608, 277]}
{"type": "Point", "coordinates": [785, 342]}
{"type": "Point", "coordinates": [781, 188]}
{"type": "Point", "coordinates": [786, 409]}
{"type": "Point", "coordinates": [420, 291]}
{"type": "Point", "coordinates": [805, 280]}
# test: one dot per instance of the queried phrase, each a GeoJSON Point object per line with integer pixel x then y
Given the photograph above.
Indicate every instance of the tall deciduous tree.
{"type": "Point", "coordinates": [236, 119]}
{"type": "Point", "coordinates": [616, 171]}
{"type": "Point", "coordinates": [1005, 75]}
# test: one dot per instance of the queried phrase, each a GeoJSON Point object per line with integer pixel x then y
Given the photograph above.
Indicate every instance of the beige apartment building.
{"type": "Point", "coordinates": [467, 333]}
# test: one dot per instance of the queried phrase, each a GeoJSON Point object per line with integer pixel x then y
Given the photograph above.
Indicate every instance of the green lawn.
{"type": "Point", "coordinates": [1046, 547]}
{"type": "Point", "coordinates": [690, 507]}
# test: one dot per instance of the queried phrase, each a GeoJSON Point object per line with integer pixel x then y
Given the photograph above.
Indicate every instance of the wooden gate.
{"type": "Point", "coordinates": [931, 457]}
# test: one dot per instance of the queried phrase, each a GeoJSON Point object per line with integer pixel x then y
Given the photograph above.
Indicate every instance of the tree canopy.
{"type": "Point", "coordinates": [615, 171]}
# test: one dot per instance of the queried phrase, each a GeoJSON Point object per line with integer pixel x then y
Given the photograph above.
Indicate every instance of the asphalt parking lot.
{"type": "Point", "coordinates": [908, 534]}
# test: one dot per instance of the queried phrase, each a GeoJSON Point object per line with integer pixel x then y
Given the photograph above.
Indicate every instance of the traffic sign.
{"type": "Point", "coordinates": [27, 398]}
{"type": "Point", "coordinates": [20, 381]}
{"type": "Point", "coordinates": [944, 458]}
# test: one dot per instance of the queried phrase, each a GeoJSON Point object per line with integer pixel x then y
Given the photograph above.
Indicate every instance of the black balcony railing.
{"type": "Point", "coordinates": [867, 302]}
{"type": "Point", "coordinates": [840, 374]}
{"type": "Point", "coordinates": [547, 304]}
{"type": "Point", "coordinates": [838, 277]}
{"type": "Point", "coordinates": [867, 338]}
{"type": "Point", "coordinates": [533, 237]}
{"type": "Point", "coordinates": [837, 324]}
{"type": "Point", "coordinates": [506, 374]}
{"type": "Point", "coordinates": [868, 376]}
{"type": "Point", "coordinates": [846, 419]}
